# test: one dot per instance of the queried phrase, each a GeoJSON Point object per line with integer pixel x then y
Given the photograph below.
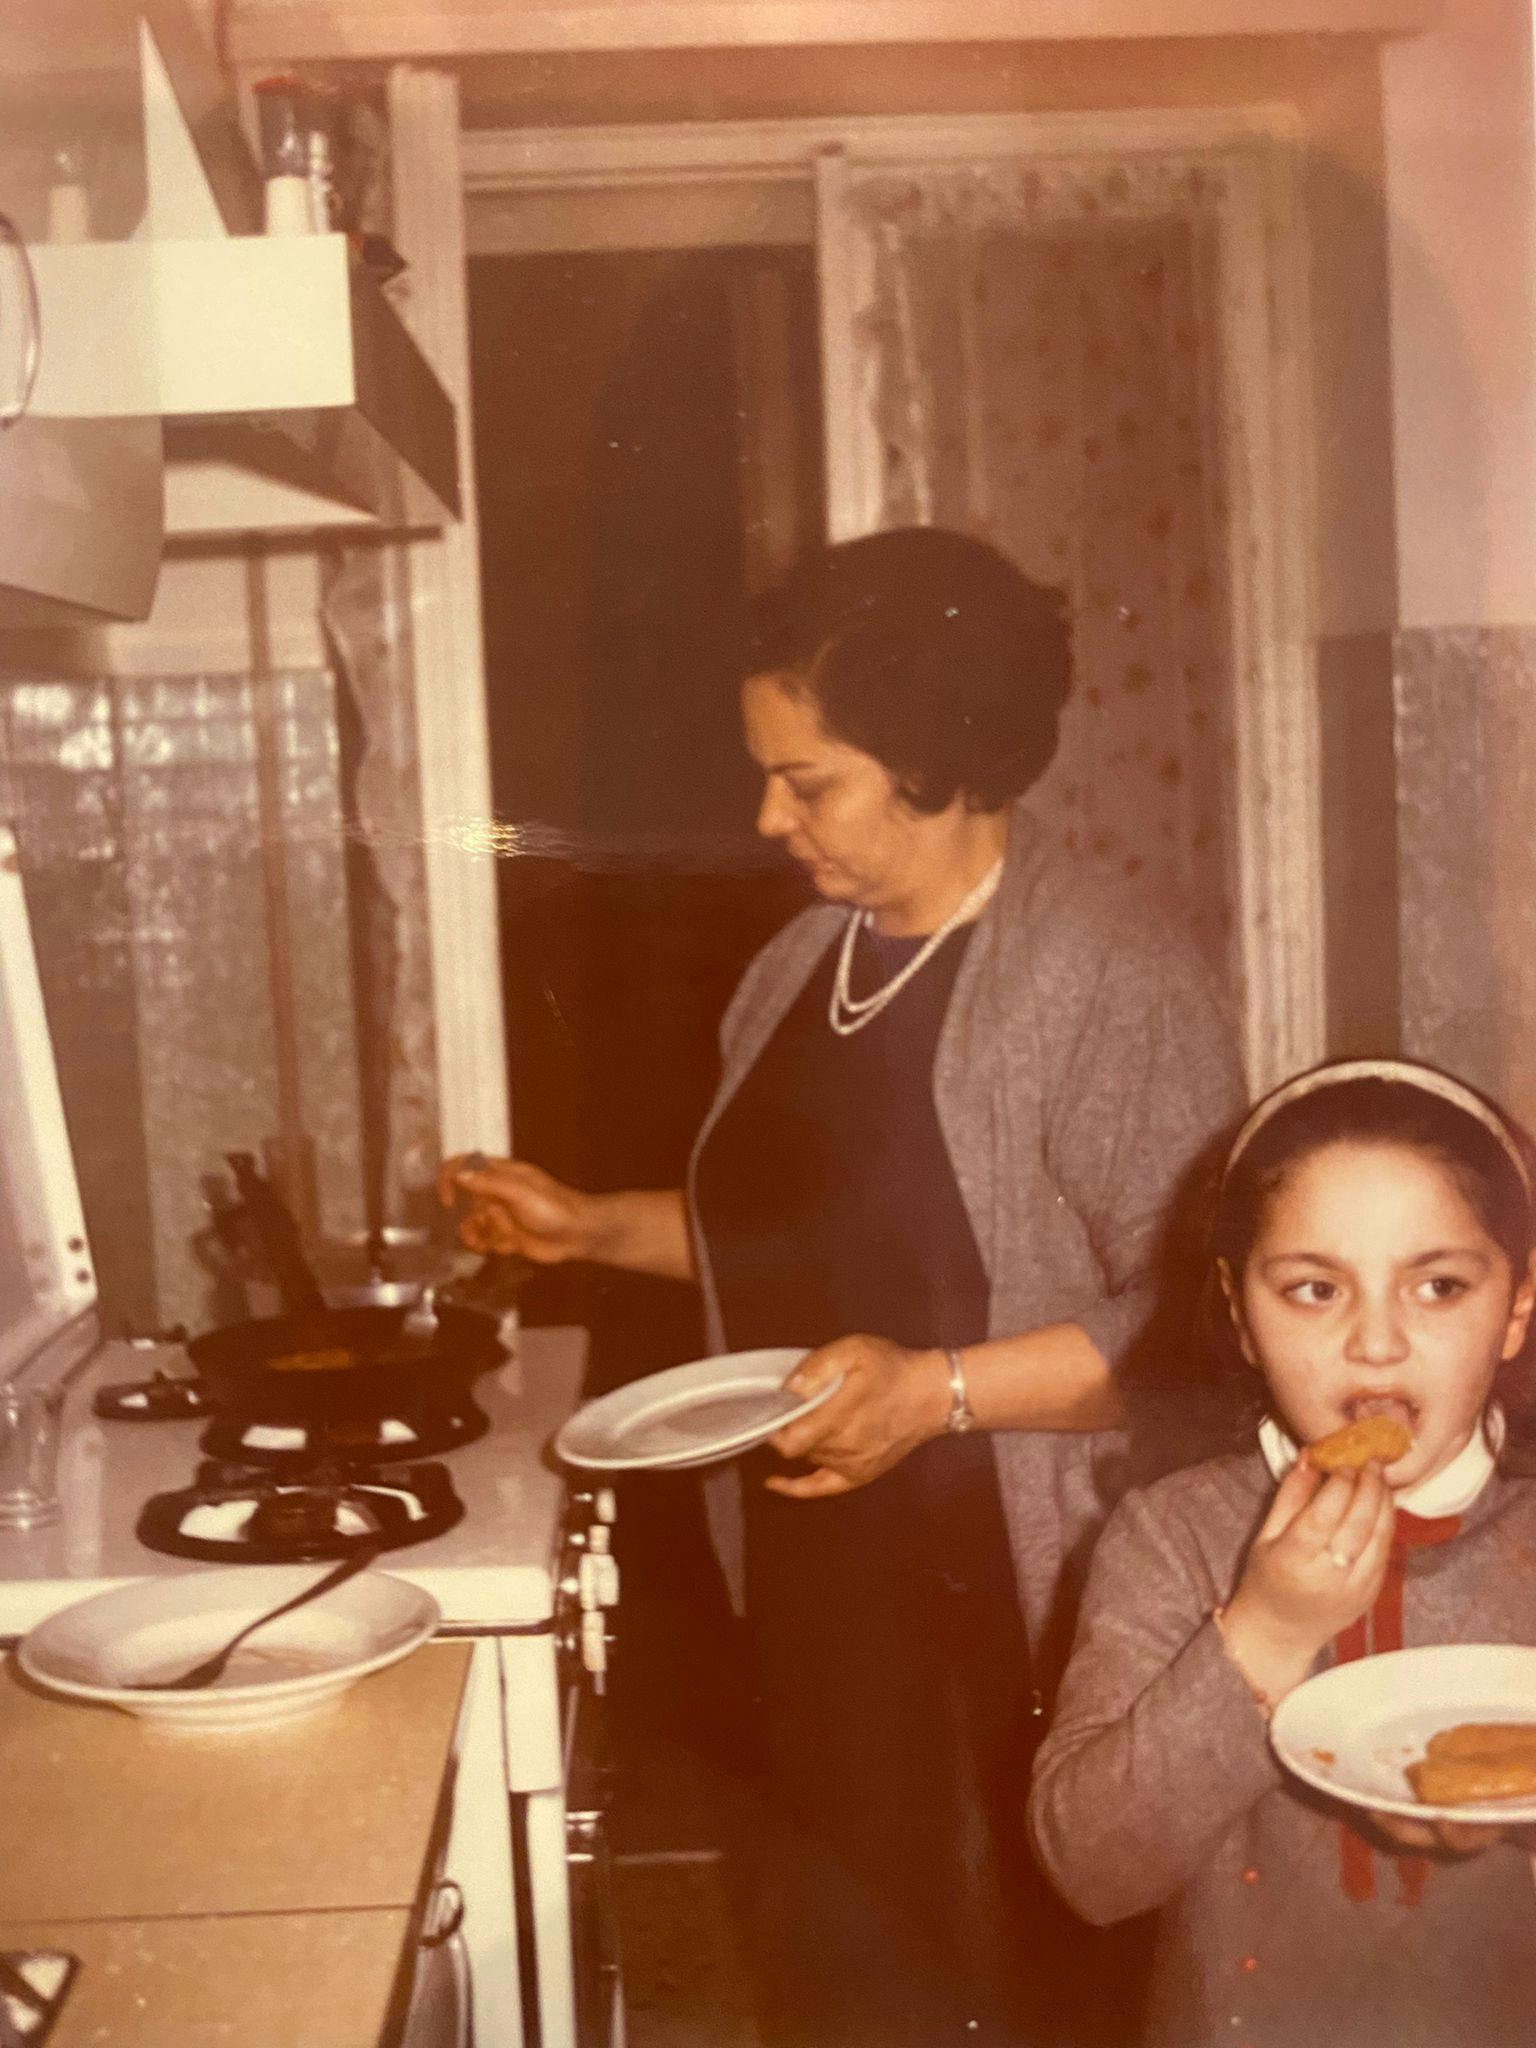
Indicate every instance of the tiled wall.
{"type": "Point", "coordinates": [1465, 715]}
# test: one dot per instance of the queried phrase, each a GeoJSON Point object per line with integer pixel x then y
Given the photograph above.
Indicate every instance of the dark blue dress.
{"type": "Point", "coordinates": [889, 1646]}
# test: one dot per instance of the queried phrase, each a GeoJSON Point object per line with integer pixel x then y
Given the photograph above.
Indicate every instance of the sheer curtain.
{"type": "Point", "coordinates": [1038, 345]}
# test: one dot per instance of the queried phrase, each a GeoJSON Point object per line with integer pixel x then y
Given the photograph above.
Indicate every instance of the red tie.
{"type": "Point", "coordinates": [1375, 1633]}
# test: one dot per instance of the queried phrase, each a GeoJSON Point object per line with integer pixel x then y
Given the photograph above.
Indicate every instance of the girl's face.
{"type": "Point", "coordinates": [1374, 1287]}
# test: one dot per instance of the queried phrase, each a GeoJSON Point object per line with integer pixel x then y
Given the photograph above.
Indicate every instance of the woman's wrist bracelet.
{"type": "Point", "coordinates": [961, 1415]}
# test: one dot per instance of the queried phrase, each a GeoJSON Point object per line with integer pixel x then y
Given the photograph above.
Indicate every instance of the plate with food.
{"type": "Point", "coordinates": [1447, 1732]}
{"type": "Point", "coordinates": [692, 1414]}
{"type": "Point", "coordinates": [120, 1648]}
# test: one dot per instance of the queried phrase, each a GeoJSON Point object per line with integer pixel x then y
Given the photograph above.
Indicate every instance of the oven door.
{"type": "Point", "coordinates": [589, 1862]}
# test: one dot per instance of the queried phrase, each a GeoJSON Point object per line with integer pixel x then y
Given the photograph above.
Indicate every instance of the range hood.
{"type": "Point", "coordinates": [292, 394]}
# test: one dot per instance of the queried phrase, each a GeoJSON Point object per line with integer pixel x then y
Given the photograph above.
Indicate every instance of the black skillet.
{"type": "Point", "coordinates": [314, 1360]}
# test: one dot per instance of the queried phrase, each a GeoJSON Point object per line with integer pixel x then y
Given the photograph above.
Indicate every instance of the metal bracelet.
{"type": "Point", "coordinates": [961, 1415]}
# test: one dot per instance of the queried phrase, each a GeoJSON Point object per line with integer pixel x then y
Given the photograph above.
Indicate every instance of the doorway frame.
{"type": "Point", "coordinates": [1266, 379]}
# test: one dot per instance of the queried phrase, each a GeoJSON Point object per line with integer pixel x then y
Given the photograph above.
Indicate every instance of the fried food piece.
{"type": "Point", "coordinates": [1349, 1449]}
{"type": "Point", "coordinates": [333, 1359]}
{"type": "Point", "coordinates": [1484, 1738]}
{"type": "Point", "coordinates": [1465, 1780]}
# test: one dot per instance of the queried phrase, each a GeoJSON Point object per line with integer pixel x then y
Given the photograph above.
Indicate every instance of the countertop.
{"type": "Point", "coordinates": [256, 1888]}
{"type": "Point", "coordinates": [492, 1568]}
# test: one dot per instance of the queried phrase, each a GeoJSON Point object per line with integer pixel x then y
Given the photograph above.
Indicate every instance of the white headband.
{"type": "Point", "coordinates": [1429, 1080]}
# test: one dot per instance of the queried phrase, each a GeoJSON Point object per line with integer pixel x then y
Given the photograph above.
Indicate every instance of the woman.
{"type": "Point", "coordinates": [956, 1097]}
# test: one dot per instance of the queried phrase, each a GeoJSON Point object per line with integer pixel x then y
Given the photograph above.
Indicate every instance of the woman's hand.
{"type": "Point", "coordinates": [1316, 1565]}
{"type": "Point", "coordinates": [515, 1207]}
{"type": "Point", "coordinates": [891, 1400]}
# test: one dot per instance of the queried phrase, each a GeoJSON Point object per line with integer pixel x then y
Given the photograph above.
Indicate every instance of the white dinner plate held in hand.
{"type": "Point", "coordinates": [689, 1415]}
{"type": "Point", "coordinates": [1352, 1732]}
{"type": "Point", "coordinates": [109, 1647]}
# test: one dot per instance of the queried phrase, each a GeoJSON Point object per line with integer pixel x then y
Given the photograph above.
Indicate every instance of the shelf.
{"type": "Point", "coordinates": [287, 353]}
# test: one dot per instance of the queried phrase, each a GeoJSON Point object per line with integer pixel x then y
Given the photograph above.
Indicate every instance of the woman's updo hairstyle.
{"type": "Point", "coordinates": [928, 650]}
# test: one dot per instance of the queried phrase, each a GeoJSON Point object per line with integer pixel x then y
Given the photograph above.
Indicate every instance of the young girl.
{"type": "Point", "coordinates": [1371, 1254]}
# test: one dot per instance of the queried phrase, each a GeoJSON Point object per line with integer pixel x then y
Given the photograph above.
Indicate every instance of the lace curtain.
{"type": "Point", "coordinates": [192, 847]}
{"type": "Point", "coordinates": [138, 811]}
{"type": "Point", "coordinates": [1040, 352]}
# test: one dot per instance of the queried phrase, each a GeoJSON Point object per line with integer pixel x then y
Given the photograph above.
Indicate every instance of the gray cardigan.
{"type": "Point", "coordinates": [1084, 1059]}
{"type": "Point", "coordinates": [1157, 1787]}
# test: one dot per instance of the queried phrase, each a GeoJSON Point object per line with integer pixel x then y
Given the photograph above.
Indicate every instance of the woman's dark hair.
{"type": "Point", "coordinates": [1218, 1407]}
{"type": "Point", "coordinates": [928, 650]}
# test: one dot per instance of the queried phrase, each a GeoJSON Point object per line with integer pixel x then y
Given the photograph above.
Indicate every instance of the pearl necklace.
{"type": "Point", "coordinates": [846, 1013]}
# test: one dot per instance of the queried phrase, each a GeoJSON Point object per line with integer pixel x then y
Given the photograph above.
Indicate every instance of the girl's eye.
{"type": "Point", "coordinates": [1311, 1293]}
{"type": "Point", "coordinates": [1441, 1287]}
{"type": "Point", "coordinates": [807, 792]}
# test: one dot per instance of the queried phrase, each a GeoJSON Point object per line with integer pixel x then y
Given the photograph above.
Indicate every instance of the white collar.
{"type": "Point", "coordinates": [1450, 1491]}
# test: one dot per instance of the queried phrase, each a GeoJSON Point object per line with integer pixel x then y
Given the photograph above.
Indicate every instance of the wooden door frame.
{"type": "Point", "coordinates": [1266, 373]}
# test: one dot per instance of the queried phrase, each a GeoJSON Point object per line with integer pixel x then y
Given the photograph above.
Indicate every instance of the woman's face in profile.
{"type": "Point", "coordinates": [834, 808]}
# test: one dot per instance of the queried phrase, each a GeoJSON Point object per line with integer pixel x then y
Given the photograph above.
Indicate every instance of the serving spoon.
{"type": "Point", "coordinates": [210, 1667]}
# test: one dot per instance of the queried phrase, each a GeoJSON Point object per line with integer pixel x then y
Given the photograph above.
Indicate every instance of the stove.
{"type": "Point", "coordinates": [483, 1521]}
{"type": "Point", "coordinates": [418, 1429]}
{"type": "Point", "coordinates": [424, 1430]}
{"type": "Point", "coordinates": [244, 1514]}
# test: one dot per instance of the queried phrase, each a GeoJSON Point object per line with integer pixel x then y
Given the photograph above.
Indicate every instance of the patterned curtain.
{"type": "Point", "coordinates": [137, 807]}
{"type": "Point", "coordinates": [1040, 350]}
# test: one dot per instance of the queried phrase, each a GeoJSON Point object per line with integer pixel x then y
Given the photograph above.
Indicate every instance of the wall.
{"type": "Point", "coordinates": [1419, 200]}
{"type": "Point", "coordinates": [1461, 189]}
{"type": "Point", "coordinates": [1321, 91]}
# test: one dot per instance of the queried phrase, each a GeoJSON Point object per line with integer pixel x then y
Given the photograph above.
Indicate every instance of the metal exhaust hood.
{"type": "Point", "coordinates": [292, 394]}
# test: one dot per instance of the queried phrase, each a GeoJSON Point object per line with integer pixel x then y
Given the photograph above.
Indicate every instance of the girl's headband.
{"type": "Point", "coordinates": [1410, 1074]}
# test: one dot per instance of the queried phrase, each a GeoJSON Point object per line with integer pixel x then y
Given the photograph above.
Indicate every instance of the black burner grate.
{"type": "Point", "coordinates": [237, 1514]}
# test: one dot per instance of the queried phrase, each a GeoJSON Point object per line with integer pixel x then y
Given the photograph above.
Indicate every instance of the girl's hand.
{"type": "Point", "coordinates": [1316, 1565]}
{"type": "Point", "coordinates": [891, 1400]}
{"type": "Point", "coordinates": [1450, 1837]}
{"type": "Point", "coordinates": [515, 1207]}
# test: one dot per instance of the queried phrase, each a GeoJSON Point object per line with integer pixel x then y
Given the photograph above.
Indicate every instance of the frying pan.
{"type": "Point", "coordinates": [377, 1368]}
{"type": "Point", "coordinates": [276, 1368]}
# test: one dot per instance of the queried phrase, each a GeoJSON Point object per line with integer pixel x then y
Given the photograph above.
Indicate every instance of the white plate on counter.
{"type": "Point", "coordinates": [1352, 1731]}
{"type": "Point", "coordinates": [690, 1414]}
{"type": "Point", "coordinates": [105, 1648]}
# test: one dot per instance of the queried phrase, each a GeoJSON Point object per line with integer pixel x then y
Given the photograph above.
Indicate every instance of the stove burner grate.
{"type": "Point", "coordinates": [235, 1514]}
{"type": "Point", "coordinates": [300, 1442]}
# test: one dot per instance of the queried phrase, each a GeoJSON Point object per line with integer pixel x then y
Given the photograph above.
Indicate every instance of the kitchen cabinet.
{"type": "Point", "coordinates": [81, 514]}
{"type": "Point", "coordinates": [267, 1886]}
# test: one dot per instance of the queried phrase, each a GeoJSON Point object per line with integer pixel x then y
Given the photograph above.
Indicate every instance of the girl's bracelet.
{"type": "Point", "coordinates": [1260, 1698]}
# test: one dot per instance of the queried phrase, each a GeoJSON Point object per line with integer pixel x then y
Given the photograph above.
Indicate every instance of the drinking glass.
{"type": "Point", "coordinates": [29, 1455]}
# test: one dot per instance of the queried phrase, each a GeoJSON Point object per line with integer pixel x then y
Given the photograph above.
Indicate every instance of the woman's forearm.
{"type": "Point", "coordinates": [1051, 1378]}
{"type": "Point", "coordinates": [643, 1230]}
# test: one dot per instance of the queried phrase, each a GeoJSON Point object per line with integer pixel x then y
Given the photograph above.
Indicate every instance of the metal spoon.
{"type": "Point", "coordinates": [208, 1670]}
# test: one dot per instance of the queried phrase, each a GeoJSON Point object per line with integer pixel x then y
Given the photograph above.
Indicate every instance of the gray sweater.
{"type": "Point", "coordinates": [1085, 1058]}
{"type": "Point", "coordinates": [1157, 1787]}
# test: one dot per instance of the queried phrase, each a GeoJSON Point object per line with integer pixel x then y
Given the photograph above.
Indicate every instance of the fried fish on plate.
{"type": "Point", "coordinates": [1465, 1780]}
{"type": "Point", "coordinates": [1483, 1738]}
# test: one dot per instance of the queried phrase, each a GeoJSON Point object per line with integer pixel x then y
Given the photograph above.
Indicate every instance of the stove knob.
{"type": "Point", "coordinates": [607, 1577]}
{"type": "Point", "coordinates": [594, 1643]}
{"type": "Point", "coordinates": [605, 1504]}
{"type": "Point", "coordinates": [589, 1588]}
{"type": "Point", "coordinates": [600, 1538]}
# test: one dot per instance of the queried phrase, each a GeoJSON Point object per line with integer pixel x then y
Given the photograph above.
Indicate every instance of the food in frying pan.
{"type": "Point", "coordinates": [1474, 1761]}
{"type": "Point", "coordinates": [334, 1358]}
{"type": "Point", "coordinates": [1384, 1437]}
